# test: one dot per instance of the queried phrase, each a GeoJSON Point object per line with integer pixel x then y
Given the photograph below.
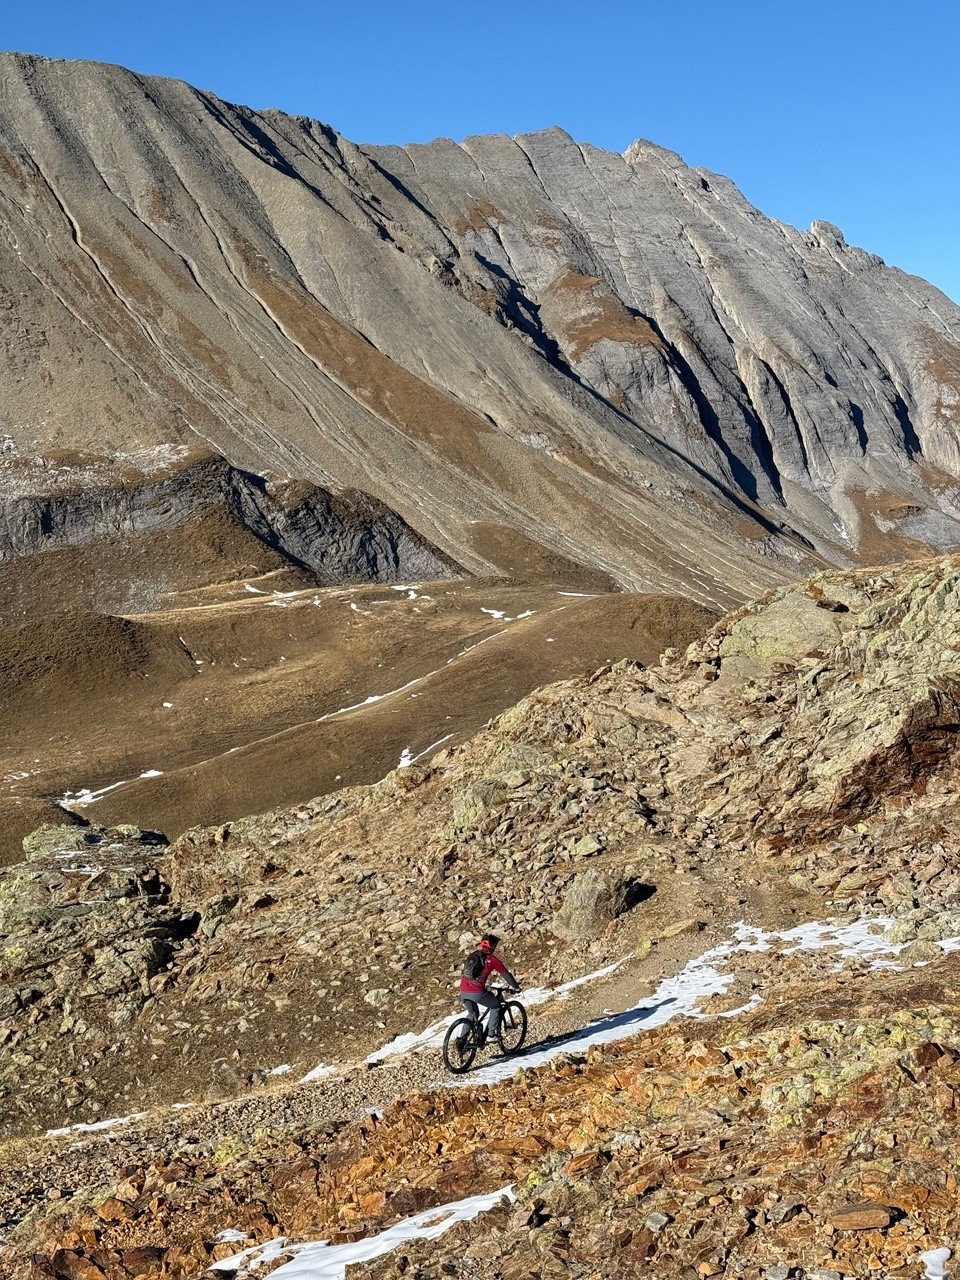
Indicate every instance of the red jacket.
{"type": "Point", "coordinates": [470, 988]}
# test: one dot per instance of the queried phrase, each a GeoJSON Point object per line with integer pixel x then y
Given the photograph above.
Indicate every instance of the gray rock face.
{"type": "Point", "coordinates": [615, 356]}
{"type": "Point", "coordinates": [94, 904]}
{"type": "Point", "coordinates": [338, 538]}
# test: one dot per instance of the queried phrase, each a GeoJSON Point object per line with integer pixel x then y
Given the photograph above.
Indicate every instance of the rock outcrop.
{"type": "Point", "coordinates": [798, 760]}
{"type": "Point", "coordinates": [99, 510]}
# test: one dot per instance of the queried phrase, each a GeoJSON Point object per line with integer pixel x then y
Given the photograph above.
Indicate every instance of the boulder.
{"type": "Point", "coordinates": [594, 899]}
{"type": "Point", "coordinates": [785, 630]}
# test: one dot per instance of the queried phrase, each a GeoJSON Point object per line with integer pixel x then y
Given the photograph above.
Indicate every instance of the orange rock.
{"type": "Point", "coordinates": [74, 1266]}
{"type": "Point", "coordinates": [129, 1190]}
{"type": "Point", "coordinates": [908, 1197]}
{"type": "Point", "coordinates": [73, 1240]}
{"type": "Point", "coordinates": [702, 1056]}
{"type": "Point", "coordinates": [944, 1199]}
{"type": "Point", "coordinates": [580, 1164]}
{"type": "Point", "coordinates": [532, 1145]}
{"type": "Point", "coordinates": [946, 1096]}
{"type": "Point", "coordinates": [145, 1259]}
{"type": "Point", "coordinates": [928, 1055]}
{"type": "Point", "coordinates": [114, 1210]}
{"type": "Point", "coordinates": [223, 1250]}
{"type": "Point", "coordinates": [861, 1217]}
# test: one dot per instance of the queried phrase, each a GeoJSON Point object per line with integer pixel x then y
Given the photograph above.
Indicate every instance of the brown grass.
{"type": "Point", "coordinates": [478, 217]}
{"type": "Point", "coordinates": [878, 546]}
{"type": "Point", "coordinates": [605, 316]}
{"type": "Point", "coordinates": [84, 699]}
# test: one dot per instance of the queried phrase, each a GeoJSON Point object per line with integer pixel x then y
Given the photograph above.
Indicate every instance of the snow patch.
{"type": "Point", "coordinates": [540, 995]}
{"type": "Point", "coordinates": [321, 1260]}
{"type": "Point", "coordinates": [432, 747]}
{"type": "Point", "coordinates": [231, 1235]}
{"type": "Point", "coordinates": [501, 615]}
{"type": "Point", "coordinates": [374, 697]}
{"type": "Point", "coordinates": [318, 1073]}
{"type": "Point", "coordinates": [476, 645]}
{"type": "Point", "coordinates": [935, 1263]}
{"type": "Point", "coordinates": [680, 996]}
{"type": "Point", "coordinates": [97, 1126]}
{"type": "Point", "coordinates": [80, 799]}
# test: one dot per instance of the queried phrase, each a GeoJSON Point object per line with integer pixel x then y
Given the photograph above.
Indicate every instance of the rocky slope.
{"type": "Point", "coordinates": [512, 343]}
{"type": "Point", "coordinates": [798, 761]}
{"type": "Point", "coordinates": [123, 536]}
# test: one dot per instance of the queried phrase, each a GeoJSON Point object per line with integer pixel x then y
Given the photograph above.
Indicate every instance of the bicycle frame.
{"type": "Point", "coordinates": [483, 1014]}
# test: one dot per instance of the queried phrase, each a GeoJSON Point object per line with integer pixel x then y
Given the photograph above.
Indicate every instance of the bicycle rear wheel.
{"type": "Point", "coordinates": [460, 1045]}
{"type": "Point", "coordinates": [513, 1027]}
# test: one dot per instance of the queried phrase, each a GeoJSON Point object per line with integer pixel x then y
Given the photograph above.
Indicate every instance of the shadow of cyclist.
{"type": "Point", "coordinates": [570, 1041]}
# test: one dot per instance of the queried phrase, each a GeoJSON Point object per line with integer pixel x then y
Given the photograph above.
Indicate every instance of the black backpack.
{"type": "Point", "coordinates": [473, 965]}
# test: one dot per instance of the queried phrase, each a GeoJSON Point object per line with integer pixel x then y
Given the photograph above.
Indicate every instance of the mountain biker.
{"type": "Point", "coordinates": [477, 968]}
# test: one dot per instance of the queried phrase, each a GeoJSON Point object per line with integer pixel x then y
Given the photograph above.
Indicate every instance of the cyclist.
{"type": "Point", "coordinates": [477, 968]}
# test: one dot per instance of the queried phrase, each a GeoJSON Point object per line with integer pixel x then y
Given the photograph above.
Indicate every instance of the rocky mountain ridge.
{"type": "Point", "coordinates": [615, 358]}
{"type": "Point", "coordinates": [756, 746]}
{"type": "Point", "coordinates": [246, 359]}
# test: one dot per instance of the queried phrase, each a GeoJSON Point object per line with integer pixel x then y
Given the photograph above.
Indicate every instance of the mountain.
{"type": "Point", "coordinates": [520, 345]}
{"type": "Point", "coordinates": [246, 356]}
{"type": "Point", "coordinates": [367, 516]}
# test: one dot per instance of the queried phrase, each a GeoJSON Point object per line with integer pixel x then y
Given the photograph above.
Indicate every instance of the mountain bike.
{"type": "Point", "coordinates": [466, 1037]}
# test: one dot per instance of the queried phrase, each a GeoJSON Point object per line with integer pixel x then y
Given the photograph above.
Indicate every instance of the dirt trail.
{"type": "Point", "coordinates": [34, 1171]}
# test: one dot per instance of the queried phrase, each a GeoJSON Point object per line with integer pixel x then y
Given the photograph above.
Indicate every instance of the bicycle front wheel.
{"type": "Point", "coordinates": [513, 1027]}
{"type": "Point", "coordinates": [460, 1046]}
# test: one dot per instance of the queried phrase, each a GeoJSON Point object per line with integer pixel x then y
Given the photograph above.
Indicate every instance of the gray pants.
{"type": "Point", "coordinates": [487, 1001]}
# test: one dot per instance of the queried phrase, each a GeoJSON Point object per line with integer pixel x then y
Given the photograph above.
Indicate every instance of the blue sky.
{"type": "Point", "coordinates": [847, 111]}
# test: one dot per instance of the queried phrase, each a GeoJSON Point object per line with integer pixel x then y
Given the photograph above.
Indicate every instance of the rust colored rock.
{"type": "Point", "coordinates": [861, 1217]}
{"type": "Point", "coordinates": [114, 1210]}
{"type": "Point", "coordinates": [74, 1266]}
{"type": "Point", "coordinates": [374, 1204]}
{"type": "Point", "coordinates": [928, 1055]}
{"type": "Point", "coordinates": [532, 1145]}
{"type": "Point", "coordinates": [582, 1163]}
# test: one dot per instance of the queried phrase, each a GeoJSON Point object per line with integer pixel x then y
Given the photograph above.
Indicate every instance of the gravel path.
{"type": "Point", "coordinates": [34, 1170]}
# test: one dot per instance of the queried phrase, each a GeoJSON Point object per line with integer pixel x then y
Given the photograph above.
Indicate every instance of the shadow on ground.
{"type": "Point", "coordinates": [582, 1038]}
